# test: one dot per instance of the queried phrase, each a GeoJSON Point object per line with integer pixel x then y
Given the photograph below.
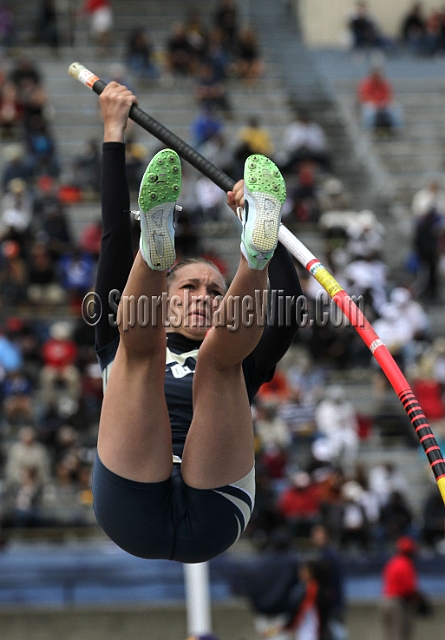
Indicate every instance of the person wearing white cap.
{"type": "Point", "coordinates": [412, 311]}
{"type": "Point", "coordinates": [397, 332]}
{"type": "Point", "coordinates": [336, 420]}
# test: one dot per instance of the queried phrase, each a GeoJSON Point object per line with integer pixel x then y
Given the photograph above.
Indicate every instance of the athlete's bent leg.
{"type": "Point", "coordinates": [134, 434]}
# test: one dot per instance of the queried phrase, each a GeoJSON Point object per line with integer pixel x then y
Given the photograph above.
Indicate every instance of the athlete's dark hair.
{"type": "Point", "coordinates": [183, 263]}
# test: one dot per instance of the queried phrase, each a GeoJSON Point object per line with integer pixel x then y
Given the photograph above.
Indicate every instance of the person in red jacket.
{"type": "Point", "coordinates": [401, 595]}
{"type": "Point", "coordinates": [376, 99]}
{"type": "Point", "coordinates": [300, 504]}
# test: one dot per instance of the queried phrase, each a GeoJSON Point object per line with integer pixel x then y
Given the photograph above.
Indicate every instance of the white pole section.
{"type": "Point", "coordinates": [197, 596]}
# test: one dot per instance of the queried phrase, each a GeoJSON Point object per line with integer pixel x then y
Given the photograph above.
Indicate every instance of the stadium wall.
{"type": "Point", "coordinates": [323, 22]}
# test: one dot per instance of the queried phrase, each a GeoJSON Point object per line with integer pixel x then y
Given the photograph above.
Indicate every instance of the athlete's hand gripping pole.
{"type": "Point", "coordinates": [312, 265]}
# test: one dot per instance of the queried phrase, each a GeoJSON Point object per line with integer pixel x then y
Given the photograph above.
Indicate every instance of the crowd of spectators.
{"type": "Point", "coordinates": [308, 436]}
{"type": "Point", "coordinates": [50, 383]}
{"type": "Point", "coordinates": [422, 32]}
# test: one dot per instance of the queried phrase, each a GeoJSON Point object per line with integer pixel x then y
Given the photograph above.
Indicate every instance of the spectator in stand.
{"type": "Point", "coordinates": [25, 497]}
{"type": "Point", "coordinates": [299, 415]}
{"type": "Point", "coordinates": [17, 397]}
{"type": "Point", "coordinates": [179, 54]}
{"type": "Point", "coordinates": [364, 30]}
{"type": "Point", "coordinates": [396, 518]}
{"type": "Point", "coordinates": [308, 378]}
{"type": "Point", "coordinates": [367, 277]}
{"type": "Point", "coordinates": [304, 140]}
{"type": "Point", "coordinates": [209, 90]}
{"type": "Point", "coordinates": [414, 32]}
{"type": "Point", "coordinates": [197, 35]}
{"type": "Point", "coordinates": [206, 126]}
{"type": "Point", "coordinates": [266, 517]}
{"type": "Point", "coordinates": [384, 479]}
{"type": "Point", "coordinates": [253, 138]}
{"type": "Point", "coordinates": [27, 452]}
{"type": "Point", "coordinates": [31, 92]}
{"type": "Point", "coordinates": [90, 238]}
{"type": "Point", "coordinates": [427, 235]}
{"type": "Point", "coordinates": [433, 528]}
{"type": "Point", "coordinates": [226, 19]}
{"type": "Point", "coordinates": [334, 196]}
{"type": "Point", "coordinates": [273, 441]}
{"type": "Point", "coordinates": [376, 100]}
{"type": "Point", "coordinates": [59, 355]}
{"type": "Point", "coordinates": [16, 212]}
{"type": "Point", "coordinates": [276, 390]}
{"type": "Point", "coordinates": [210, 199]}
{"type": "Point", "coordinates": [435, 31]}
{"type": "Point", "coordinates": [432, 362]}
{"type": "Point", "coordinates": [299, 503]}
{"type": "Point", "coordinates": [46, 27]}
{"type": "Point", "coordinates": [59, 499]}
{"type": "Point", "coordinates": [218, 151]}
{"type": "Point", "coordinates": [87, 168]}
{"type": "Point", "coordinates": [249, 65]}
{"type": "Point", "coordinates": [397, 333]}
{"type": "Point", "coordinates": [11, 111]}
{"type": "Point", "coordinates": [331, 500]}
{"type": "Point", "coordinates": [139, 55]}
{"type": "Point", "coordinates": [100, 14]}
{"type": "Point", "coordinates": [413, 311]}
{"type": "Point", "coordinates": [46, 198]}
{"type": "Point", "coordinates": [55, 232]}
{"type": "Point", "coordinates": [11, 357]}
{"type": "Point", "coordinates": [92, 391]}
{"type": "Point", "coordinates": [400, 590]}
{"type": "Point", "coordinates": [43, 287]}
{"type": "Point", "coordinates": [336, 420]}
{"type": "Point", "coordinates": [302, 202]}
{"type": "Point", "coordinates": [13, 274]}
{"type": "Point", "coordinates": [366, 236]}
{"type": "Point", "coordinates": [217, 55]}
{"type": "Point", "coordinates": [8, 31]}
{"type": "Point", "coordinates": [135, 162]}
{"type": "Point", "coordinates": [354, 527]}
{"type": "Point", "coordinates": [430, 197]}
{"type": "Point", "coordinates": [40, 144]}
{"type": "Point", "coordinates": [15, 165]}
{"type": "Point", "coordinates": [76, 272]}
{"type": "Point", "coordinates": [23, 72]}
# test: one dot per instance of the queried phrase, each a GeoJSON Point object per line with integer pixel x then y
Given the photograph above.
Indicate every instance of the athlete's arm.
{"type": "Point", "coordinates": [280, 331]}
{"type": "Point", "coordinates": [116, 254]}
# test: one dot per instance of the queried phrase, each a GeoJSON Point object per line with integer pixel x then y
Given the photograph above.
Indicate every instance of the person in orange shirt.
{"type": "Point", "coordinates": [376, 99]}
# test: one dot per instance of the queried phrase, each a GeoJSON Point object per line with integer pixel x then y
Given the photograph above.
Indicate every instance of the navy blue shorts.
{"type": "Point", "coordinates": [169, 519]}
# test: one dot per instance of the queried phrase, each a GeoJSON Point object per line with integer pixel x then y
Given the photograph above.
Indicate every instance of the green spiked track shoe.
{"type": "Point", "coordinates": [264, 195]}
{"type": "Point", "coordinates": [158, 192]}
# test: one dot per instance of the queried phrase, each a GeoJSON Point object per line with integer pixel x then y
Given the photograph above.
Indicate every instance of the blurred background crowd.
{"type": "Point", "coordinates": [309, 431]}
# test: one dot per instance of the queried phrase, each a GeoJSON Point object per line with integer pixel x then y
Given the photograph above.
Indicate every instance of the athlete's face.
{"type": "Point", "coordinates": [195, 292]}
